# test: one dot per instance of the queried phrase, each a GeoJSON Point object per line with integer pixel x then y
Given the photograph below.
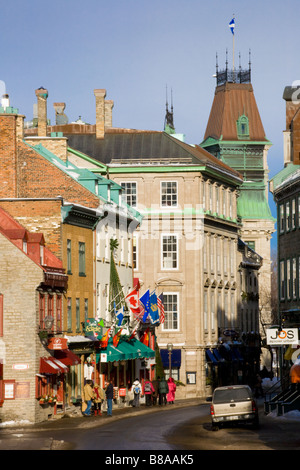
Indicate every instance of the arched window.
{"type": "Point", "coordinates": [243, 127]}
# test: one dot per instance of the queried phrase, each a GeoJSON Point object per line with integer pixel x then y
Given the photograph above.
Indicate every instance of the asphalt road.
{"type": "Point", "coordinates": [185, 426]}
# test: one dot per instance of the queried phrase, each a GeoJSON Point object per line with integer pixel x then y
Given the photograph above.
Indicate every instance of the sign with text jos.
{"type": "Point", "coordinates": [276, 337]}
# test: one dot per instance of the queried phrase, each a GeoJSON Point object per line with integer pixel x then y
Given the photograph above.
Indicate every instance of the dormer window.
{"type": "Point", "coordinates": [41, 254]}
{"type": "Point", "coordinates": [243, 127]}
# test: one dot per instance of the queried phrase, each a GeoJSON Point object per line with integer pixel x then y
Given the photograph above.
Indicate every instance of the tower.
{"type": "Point", "coordinates": [235, 135]}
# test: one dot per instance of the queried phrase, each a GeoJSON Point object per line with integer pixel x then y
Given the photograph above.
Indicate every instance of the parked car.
{"type": "Point", "coordinates": [233, 404]}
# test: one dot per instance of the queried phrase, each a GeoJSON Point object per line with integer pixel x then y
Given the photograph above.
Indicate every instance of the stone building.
{"type": "Point", "coordinates": [285, 187]}
{"type": "Point", "coordinates": [188, 243]}
{"type": "Point", "coordinates": [236, 136]}
{"type": "Point", "coordinates": [32, 286]}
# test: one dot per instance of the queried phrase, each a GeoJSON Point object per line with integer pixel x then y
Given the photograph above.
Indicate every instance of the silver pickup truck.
{"type": "Point", "coordinates": [233, 404]}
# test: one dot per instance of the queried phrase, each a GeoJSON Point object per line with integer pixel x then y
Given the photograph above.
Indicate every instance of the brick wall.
{"type": "Point", "coordinates": [8, 180]}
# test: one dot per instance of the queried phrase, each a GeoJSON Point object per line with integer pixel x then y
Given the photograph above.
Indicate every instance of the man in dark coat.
{"type": "Point", "coordinates": [109, 392]}
{"type": "Point", "coordinates": [163, 389]}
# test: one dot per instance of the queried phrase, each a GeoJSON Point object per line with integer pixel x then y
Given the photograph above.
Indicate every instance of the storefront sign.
{"type": "Point", "coordinates": [57, 343]}
{"type": "Point", "coordinates": [23, 390]}
{"type": "Point", "coordinates": [93, 327]}
{"type": "Point", "coordinates": [20, 366]}
{"type": "Point", "coordinates": [277, 337]}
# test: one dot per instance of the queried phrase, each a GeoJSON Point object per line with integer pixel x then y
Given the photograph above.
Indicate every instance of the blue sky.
{"type": "Point", "coordinates": [134, 48]}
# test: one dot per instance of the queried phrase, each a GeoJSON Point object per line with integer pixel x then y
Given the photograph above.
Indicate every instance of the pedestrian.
{"type": "Point", "coordinates": [172, 390]}
{"type": "Point", "coordinates": [148, 390]}
{"type": "Point", "coordinates": [109, 392]}
{"type": "Point", "coordinates": [89, 395]}
{"type": "Point", "coordinates": [137, 390]}
{"type": "Point", "coordinates": [258, 387]}
{"type": "Point", "coordinates": [163, 390]}
{"type": "Point", "coordinates": [155, 393]}
{"type": "Point", "coordinates": [99, 397]}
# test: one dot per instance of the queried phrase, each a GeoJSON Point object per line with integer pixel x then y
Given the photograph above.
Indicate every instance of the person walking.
{"type": "Point", "coordinates": [172, 390]}
{"type": "Point", "coordinates": [109, 392]}
{"type": "Point", "coordinates": [148, 390]}
{"type": "Point", "coordinates": [99, 397]}
{"type": "Point", "coordinates": [89, 395]}
{"type": "Point", "coordinates": [137, 390]}
{"type": "Point", "coordinates": [163, 390]}
{"type": "Point", "coordinates": [155, 393]}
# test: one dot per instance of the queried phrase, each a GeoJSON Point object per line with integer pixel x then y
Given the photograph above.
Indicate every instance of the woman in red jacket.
{"type": "Point", "coordinates": [172, 390]}
{"type": "Point", "coordinates": [148, 389]}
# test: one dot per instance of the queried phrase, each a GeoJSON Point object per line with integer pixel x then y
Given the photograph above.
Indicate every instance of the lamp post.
{"type": "Point", "coordinates": [170, 349]}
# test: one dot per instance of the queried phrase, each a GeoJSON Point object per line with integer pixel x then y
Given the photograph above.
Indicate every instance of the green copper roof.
{"type": "Point", "coordinates": [252, 202]}
{"type": "Point", "coordinates": [283, 175]}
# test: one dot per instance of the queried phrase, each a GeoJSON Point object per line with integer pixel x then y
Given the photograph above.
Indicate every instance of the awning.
{"type": "Point", "coordinates": [67, 357]}
{"type": "Point", "coordinates": [210, 356]}
{"type": "Point", "coordinates": [218, 355]}
{"type": "Point", "coordinates": [142, 350]}
{"type": "Point", "coordinates": [50, 365]}
{"type": "Point", "coordinates": [111, 353]}
{"type": "Point", "coordinates": [175, 358]}
{"type": "Point", "coordinates": [237, 354]}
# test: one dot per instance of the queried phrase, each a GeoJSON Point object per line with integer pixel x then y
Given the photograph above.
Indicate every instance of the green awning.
{"type": "Point", "coordinates": [112, 353]}
{"type": "Point", "coordinates": [142, 350]}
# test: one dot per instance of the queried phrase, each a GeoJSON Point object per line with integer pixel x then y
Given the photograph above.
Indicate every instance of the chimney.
{"type": "Point", "coordinates": [291, 135]}
{"type": "Point", "coordinates": [100, 113]}
{"type": "Point", "coordinates": [60, 117]}
{"type": "Point", "coordinates": [42, 95]}
{"type": "Point", "coordinates": [109, 104]}
{"type": "Point", "coordinates": [5, 101]}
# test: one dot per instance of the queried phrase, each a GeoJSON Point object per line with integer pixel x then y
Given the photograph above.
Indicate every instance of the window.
{"type": "Point", "coordinates": [69, 257]}
{"type": "Point", "coordinates": [288, 279]}
{"type": "Point", "coordinates": [282, 281]}
{"type": "Point", "coordinates": [81, 259]}
{"type": "Point", "coordinates": [251, 244]}
{"type": "Point", "coordinates": [169, 193]}
{"type": "Point", "coordinates": [225, 254]}
{"type": "Point", "coordinates": [205, 311]}
{"type": "Point", "coordinates": [169, 252]}
{"type": "Point", "coordinates": [41, 254]}
{"type": "Point", "coordinates": [129, 193]}
{"type": "Point", "coordinates": [294, 278]}
{"type": "Point", "coordinates": [293, 213]}
{"type": "Point", "coordinates": [217, 199]}
{"type": "Point", "coordinates": [224, 202]}
{"type": "Point", "coordinates": [243, 127]}
{"type": "Point", "coordinates": [69, 313]}
{"type": "Point", "coordinates": [25, 246]}
{"type": "Point", "coordinates": [212, 310]}
{"type": "Point", "coordinates": [134, 253]}
{"type": "Point", "coordinates": [281, 218]}
{"type": "Point", "coordinates": [42, 309]}
{"type": "Point", "coordinates": [171, 312]}
{"type": "Point", "coordinates": [212, 255]}
{"type": "Point", "coordinates": [58, 312]}
{"type": "Point", "coordinates": [77, 314]}
{"type": "Point", "coordinates": [51, 308]}
{"type": "Point", "coordinates": [232, 309]}
{"type": "Point", "coordinates": [287, 216]}
{"type": "Point", "coordinates": [86, 309]}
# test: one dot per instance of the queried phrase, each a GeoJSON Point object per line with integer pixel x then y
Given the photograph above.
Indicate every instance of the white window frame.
{"type": "Point", "coordinates": [127, 196]}
{"type": "Point", "coordinates": [164, 325]}
{"type": "Point", "coordinates": [175, 235]}
{"type": "Point", "coordinates": [166, 206]}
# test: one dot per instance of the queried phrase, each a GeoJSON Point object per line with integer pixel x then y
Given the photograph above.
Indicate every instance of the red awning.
{"type": "Point", "coordinates": [50, 365]}
{"type": "Point", "coordinates": [67, 357]}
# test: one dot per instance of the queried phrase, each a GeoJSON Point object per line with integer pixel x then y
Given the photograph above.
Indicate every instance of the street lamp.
{"type": "Point", "coordinates": [170, 349]}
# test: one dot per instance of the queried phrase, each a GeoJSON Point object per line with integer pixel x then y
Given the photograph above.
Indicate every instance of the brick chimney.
{"type": "Point", "coordinates": [109, 104]}
{"type": "Point", "coordinates": [42, 95]}
{"type": "Point", "coordinates": [100, 113]}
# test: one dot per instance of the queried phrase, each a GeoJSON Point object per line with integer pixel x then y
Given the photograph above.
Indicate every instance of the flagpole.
{"type": "Point", "coordinates": [233, 51]}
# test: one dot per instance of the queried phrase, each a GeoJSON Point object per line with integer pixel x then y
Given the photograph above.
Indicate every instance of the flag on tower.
{"type": "Point", "coordinates": [232, 25]}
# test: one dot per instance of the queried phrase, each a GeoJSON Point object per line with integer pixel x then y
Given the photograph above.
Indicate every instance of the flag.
{"type": "Point", "coordinates": [134, 304]}
{"type": "Point", "coordinates": [134, 331]}
{"type": "Point", "coordinates": [145, 338]}
{"type": "Point", "coordinates": [116, 338]}
{"type": "Point", "coordinates": [153, 310]}
{"type": "Point", "coordinates": [232, 25]}
{"type": "Point", "coordinates": [160, 304]}
{"type": "Point", "coordinates": [105, 338]}
{"type": "Point", "coordinates": [120, 316]}
{"type": "Point", "coordinates": [145, 299]}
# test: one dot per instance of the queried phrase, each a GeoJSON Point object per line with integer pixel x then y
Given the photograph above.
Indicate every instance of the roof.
{"type": "Point", "coordinates": [252, 202]}
{"type": "Point", "coordinates": [231, 101]}
{"type": "Point", "coordinates": [146, 148]}
{"type": "Point", "coordinates": [286, 176]}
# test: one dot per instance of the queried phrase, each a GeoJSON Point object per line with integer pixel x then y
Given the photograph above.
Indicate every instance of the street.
{"type": "Point", "coordinates": [167, 429]}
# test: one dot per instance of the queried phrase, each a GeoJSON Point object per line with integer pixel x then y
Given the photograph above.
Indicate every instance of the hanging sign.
{"type": "Point", "coordinates": [57, 343]}
{"type": "Point", "coordinates": [94, 327]}
{"type": "Point", "coordinates": [276, 337]}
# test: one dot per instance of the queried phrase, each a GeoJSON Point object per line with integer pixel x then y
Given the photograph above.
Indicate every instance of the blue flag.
{"type": "Point", "coordinates": [145, 299]}
{"type": "Point", "coordinates": [232, 25]}
{"type": "Point", "coordinates": [120, 316]}
{"type": "Point", "coordinates": [153, 312]}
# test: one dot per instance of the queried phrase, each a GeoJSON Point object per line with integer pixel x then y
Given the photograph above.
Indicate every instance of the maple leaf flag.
{"type": "Point", "coordinates": [134, 304]}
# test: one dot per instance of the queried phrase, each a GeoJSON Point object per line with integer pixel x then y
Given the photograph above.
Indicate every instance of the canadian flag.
{"type": "Point", "coordinates": [133, 302]}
